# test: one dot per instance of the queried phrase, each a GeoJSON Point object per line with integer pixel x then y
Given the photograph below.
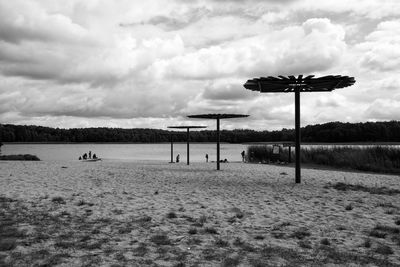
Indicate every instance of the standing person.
{"type": "Point", "coordinates": [177, 158]}
{"type": "Point", "coordinates": [206, 157]}
{"type": "Point", "coordinates": [243, 155]}
{"type": "Point", "coordinates": [90, 154]}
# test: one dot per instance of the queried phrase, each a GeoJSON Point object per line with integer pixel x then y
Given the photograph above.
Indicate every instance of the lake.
{"type": "Point", "coordinates": [126, 152]}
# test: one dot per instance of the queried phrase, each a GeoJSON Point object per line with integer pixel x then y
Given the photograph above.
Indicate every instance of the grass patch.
{"type": "Point", "coordinates": [231, 261]}
{"type": "Point", "coordinates": [301, 233]}
{"type": "Point", "coordinates": [372, 190]}
{"type": "Point", "coordinates": [221, 243]}
{"type": "Point", "coordinates": [24, 157]}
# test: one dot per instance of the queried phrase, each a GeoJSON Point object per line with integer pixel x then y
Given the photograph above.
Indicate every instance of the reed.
{"type": "Point", "coordinates": [374, 159]}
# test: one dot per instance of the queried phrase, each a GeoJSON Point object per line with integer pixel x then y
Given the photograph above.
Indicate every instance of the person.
{"type": "Point", "coordinates": [94, 156]}
{"type": "Point", "coordinates": [177, 158]}
{"type": "Point", "coordinates": [90, 154]}
{"type": "Point", "coordinates": [84, 156]}
{"type": "Point", "coordinates": [206, 157]}
{"type": "Point", "coordinates": [80, 158]}
{"type": "Point", "coordinates": [243, 155]}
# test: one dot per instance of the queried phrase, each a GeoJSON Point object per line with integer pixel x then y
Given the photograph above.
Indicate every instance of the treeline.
{"type": "Point", "coordinates": [332, 132]}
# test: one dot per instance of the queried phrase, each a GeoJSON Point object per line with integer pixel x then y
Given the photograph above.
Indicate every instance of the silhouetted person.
{"type": "Point", "coordinates": [80, 158]}
{"type": "Point", "coordinates": [206, 157]}
{"type": "Point", "coordinates": [84, 156]}
{"type": "Point", "coordinates": [94, 156]}
{"type": "Point", "coordinates": [90, 154]}
{"type": "Point", "coordinates": [243, 155]}
{"type": "Point", "coordinates": [177, 158]}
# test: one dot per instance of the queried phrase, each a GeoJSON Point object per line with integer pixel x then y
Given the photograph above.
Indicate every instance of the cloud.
{"type": "Point", "coordinates": [382, 47]}
{"type": "Point", "coordinates": [314, 46]}
{"type": "Point", "coordinates": [384, 109]}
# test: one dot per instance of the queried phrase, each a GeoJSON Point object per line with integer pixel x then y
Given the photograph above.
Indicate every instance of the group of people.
{"type": "Point", "coordinates": [225, 160]}
{"type": "Point", "coordinates": [88, 156]}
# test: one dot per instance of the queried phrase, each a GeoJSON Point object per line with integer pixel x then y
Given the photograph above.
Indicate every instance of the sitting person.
{"type": "Point", "coordinates": [94, 156]}
{"type": "Point", "coordinates": [80, 158]}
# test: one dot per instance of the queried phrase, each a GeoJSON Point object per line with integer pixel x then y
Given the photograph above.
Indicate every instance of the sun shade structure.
{"type": "Point", "coordinates": [283, 84]}
{"type": "Point", "coordinates": [217, 117]}
{"type": "Point", "coordinates": [187, 140]}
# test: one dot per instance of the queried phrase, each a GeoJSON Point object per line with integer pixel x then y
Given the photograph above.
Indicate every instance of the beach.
{"type": "Point", "coordinates": [153, 213]}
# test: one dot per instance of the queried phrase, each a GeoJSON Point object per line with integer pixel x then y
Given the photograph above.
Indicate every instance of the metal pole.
{"type": "Point", "coordinates": [290, 154]}
{"type": "Point", "coordinates": [298, 134]}
{"type": "Point", "coordinates": [172, 149]}
{"type": "Point", "coordinates": [218, 140]}
{"type": "Point", "coordinates": [187, 146]}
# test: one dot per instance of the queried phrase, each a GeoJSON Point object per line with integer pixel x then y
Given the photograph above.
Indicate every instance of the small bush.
{"type": "Point", "coordinates": [377, 233]}
{"type": "Point", "coordinates": [383, 249]}
{"type": "Point", "coordinates": [305, 244]}
{"type": "Point", "coordinates": [325, 242]}
{"type": "Point", "coordinates": [160, 239]}
{"type": "Point", "coordinates": [259, 237]}
{"type": "Point", "coordinates": [300, 233]}
{"type": "Point", "coordinates": [221, 243]}
{"type": "Point", "coordinates": [231, 261]}
{"type": "Point", "coordinates": [192, 231]}
{"type": "Point", "coordinates": [348, 207]}
{"type": "Point", "coordinates": [7, 244]}
{"type": "Point", "coordinates": [367, 243]}
{"type": "Point", "coordinates": [171, 215]}
{"type": "Point", "coordinates": [58, 200]}
{"type": "Point", "coordinates": [210, 230]}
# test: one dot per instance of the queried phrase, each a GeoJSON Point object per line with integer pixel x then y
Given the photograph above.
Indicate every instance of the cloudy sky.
{"type": "Point", "coordinates": [128, 63]}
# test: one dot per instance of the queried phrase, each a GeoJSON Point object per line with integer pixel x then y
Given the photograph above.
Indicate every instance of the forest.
{"type": "Point", "coordinates": [332, 132]}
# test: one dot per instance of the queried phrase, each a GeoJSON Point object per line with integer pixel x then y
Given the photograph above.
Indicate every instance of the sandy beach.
{"type": "Point", "coordinates": [161, 214]}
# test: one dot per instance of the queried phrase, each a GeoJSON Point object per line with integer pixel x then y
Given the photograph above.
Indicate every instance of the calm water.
{"type": "Point", "coordinates": [126, 152]}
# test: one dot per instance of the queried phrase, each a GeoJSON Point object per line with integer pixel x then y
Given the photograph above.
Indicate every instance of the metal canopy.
{"type": "Point", "coordinates": [283, 84]}
{"type": "Point", "coordinates": [217, 117]}
{"type": "Point", "coordinates": [289, 84]}
{"type": "Point", "coordinates": [187, 140]}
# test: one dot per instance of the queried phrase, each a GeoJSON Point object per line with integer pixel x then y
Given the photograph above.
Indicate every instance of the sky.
{"type": "Point", "coordinates": [149, 64]}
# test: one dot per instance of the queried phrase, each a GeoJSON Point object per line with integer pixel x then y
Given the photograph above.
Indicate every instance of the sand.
{"type": "Point", "coordinates": [161, 214]}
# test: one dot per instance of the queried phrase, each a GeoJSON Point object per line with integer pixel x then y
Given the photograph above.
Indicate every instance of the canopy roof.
{"type": "Point", "coordinates": [186, 127]}
{"type": "Point", "coordinates": [217, 116]}
{"type": "Point", "coordinates": [289, 84]}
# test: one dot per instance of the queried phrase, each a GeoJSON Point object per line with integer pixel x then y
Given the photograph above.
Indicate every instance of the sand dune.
{"type": "Point", "coordinates": [161, 214]}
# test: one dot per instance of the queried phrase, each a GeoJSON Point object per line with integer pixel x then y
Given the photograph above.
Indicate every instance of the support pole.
{"type": "Point", "coordinates": [187, 146]}
{"type": "Point", "coordinates": [298, 134]}
{"type": "Point", "coordinates": [172, 149]}
{"type": "Point", "coordinates": [218, 140]}
{"type": "Point", "coordinates": [290, 154]}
